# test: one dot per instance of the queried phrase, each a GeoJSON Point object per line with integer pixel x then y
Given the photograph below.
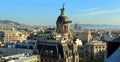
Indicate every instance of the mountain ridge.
{"type": "Point", "coordinates": [8, 22]}
{"type": "Point", "coordinates": [84, 26]}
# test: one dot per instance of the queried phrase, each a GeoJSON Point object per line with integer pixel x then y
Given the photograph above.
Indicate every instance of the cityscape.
{"type": "Point", "coordinates": [85, 35]}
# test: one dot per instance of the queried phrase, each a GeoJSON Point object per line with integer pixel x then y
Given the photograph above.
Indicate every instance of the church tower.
{"type": "Point", "coordinates": [63, 49]}
{"type": "Point", "coordinates": [63, 25]}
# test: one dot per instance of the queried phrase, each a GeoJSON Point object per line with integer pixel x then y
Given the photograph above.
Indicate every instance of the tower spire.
{"type": "Point", "coordinates": [63, 10]}
{"type": "Point", "coordinates": [63, 5]}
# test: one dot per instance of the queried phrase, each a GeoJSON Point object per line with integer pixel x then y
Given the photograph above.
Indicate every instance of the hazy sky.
{"type": "Point", "coordinates": [45, 12]}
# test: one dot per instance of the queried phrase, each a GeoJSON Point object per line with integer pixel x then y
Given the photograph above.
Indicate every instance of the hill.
{"type": "Point", "coordinates": [8, 22]}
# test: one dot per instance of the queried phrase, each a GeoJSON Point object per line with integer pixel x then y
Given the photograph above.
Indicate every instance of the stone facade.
{"type": "Point", "coordinates": [63, 26]}
{"type": "Point", "coordinates": [93, 50]}
{"type": "Point", "coordinates": [85, 37]}
{"type": "Point", "coordinates": [14, 36]}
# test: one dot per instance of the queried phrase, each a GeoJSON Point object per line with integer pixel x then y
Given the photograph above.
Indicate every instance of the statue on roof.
{"type": "Point", "coordinates": [62, 10]}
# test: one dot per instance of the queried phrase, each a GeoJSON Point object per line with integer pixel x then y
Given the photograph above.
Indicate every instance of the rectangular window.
{"type": "Point", "coordinates": [99, 46]}
{"type": "Point", "coordinates": [96, 47]}
{"type": "Point", "coordinates": [103, 47]}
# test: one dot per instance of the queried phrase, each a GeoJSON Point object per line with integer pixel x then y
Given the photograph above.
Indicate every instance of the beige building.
{"type": "Point", "coordinates": [85, 37]}
{"type": "Point", "coordinates": [93, 50]}
{"type": "Point", "coordinates": [14, 36]}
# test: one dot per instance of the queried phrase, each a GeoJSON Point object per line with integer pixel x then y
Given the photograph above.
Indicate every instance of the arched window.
{"type": "Point", "coordinates": [65, 29]}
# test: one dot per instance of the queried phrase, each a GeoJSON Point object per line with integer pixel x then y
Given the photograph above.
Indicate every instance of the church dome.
{"type": "Point", "coordinates": [62, 17]}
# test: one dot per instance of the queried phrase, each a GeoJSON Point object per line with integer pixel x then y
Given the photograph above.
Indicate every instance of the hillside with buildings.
{"type": "Point", "coordinates": [8, 22]}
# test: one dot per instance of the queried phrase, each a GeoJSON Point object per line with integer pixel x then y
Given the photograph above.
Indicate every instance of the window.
{"type": "Point", "coordinates": [103, 47]}
{"type": "Point", "coordinates": [1, 52]}
{"type": "Point", "coordinates": [96, 47]}
{"type": "Point", "coordinates": [97, 50]}
{"type": "Point", "coordinates": [99, 46]}
{"type": "Point", "coordinates": [65, 38]}
{"type": "Point", "coordinates": [65, 29]}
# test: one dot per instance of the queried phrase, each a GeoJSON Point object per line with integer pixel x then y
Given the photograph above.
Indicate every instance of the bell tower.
{"type": "Point", "coordinates": [63, 25]}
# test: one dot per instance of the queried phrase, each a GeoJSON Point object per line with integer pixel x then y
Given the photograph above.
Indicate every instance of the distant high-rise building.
{"type": "Point", "coordinates": [77, 27]}
{"type": "Point", "coordinates": [62, 49]}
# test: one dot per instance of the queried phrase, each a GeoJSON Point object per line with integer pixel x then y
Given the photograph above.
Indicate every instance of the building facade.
{"type": "Point", "coordinates": [92, 50]}
{"type": "Point", "coordinates": [77, 27]}
{"type": "Point", "coordinates": [85, 37]}
{"type": "Point", "coordinates": [14, 36]}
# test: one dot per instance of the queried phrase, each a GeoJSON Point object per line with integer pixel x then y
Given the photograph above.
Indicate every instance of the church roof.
{"type": "Point", "coordinates": [56, 49]}
{"type": "Point", "coordinates": [62, 19]}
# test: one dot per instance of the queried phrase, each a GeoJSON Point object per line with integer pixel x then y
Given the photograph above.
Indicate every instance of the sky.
{"type": "Point", "coordinates": [45, 12]}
